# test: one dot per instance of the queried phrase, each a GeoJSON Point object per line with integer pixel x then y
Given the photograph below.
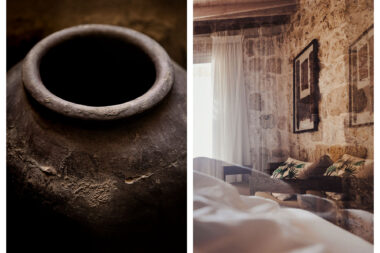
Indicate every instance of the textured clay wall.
{"type": "Point", "coordinates": [336, 24]}
{"type": "Point", "coordinates": [30, 21]}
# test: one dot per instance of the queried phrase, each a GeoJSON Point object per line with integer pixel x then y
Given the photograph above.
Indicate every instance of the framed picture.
{"type": "Point", "coordinates": [305, 89]}
{"type": "Point", "coordinates": [361, 80]}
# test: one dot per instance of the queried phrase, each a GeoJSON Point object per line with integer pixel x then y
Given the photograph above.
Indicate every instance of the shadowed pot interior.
{"type": "Point", "coordinates": [98, 72]}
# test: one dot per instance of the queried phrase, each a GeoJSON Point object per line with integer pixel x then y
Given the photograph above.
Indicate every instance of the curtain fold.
{"type": "Point", "coordinates": [230, 142]}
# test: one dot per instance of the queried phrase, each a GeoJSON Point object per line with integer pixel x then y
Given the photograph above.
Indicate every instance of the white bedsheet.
{"type": "Point", "coordinates": [225, 221]}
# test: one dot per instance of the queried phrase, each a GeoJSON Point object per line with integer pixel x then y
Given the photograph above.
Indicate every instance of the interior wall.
{"type": "Point", "coordinates": [268, 66]}
{"type": "Point", "coordinates": [336, 24]}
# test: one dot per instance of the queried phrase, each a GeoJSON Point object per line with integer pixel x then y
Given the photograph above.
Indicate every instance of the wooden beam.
{"type": "Point", "coordinates": [287, 10]}
{"type": "Point", "coordinates": [210, 26]}
{"type": "Point", "coordinates": [264, 8]}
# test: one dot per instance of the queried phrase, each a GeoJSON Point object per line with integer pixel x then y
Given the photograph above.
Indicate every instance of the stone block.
{"type": "Point", "coordinates": [251, 33]}
{"type": "Point", "coordinates": [278, 66]}
{"type": "Point", "coordinates": [279, 40]}
{"type": "Point", "coordinates": [269, 82]}
{"type": "Point", "coordinates": [281, 122]}
{"type": "Point", "coordinates": [273, 65]}
{"type": "Point", "coordinates": [259, 47]}
{"type": "Point", "coordinates": [249, 47]}
{"type": "Point", "coordinates": [280, 153]}
{"type": "Point", "coordinates": [354, 135]}
{"type": "Point", "coordinates": [318, 135]}
{"type": "Point", "coordinates": [267, 121]}
{"type": "Point", "coordinates": [337, 101]}
{"type": "Point", "coordinates": [256, 101]}
{"type": "Point", "coordinates": [271, 31]}
{"type": "Point", "coordinates": [256, 64]}
{"type": "Point", "coordinates": [269, 47]}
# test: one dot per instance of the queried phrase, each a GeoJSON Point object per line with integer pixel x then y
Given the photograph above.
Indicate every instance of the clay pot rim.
{"type": "Point", "coordinates": [162, 85]}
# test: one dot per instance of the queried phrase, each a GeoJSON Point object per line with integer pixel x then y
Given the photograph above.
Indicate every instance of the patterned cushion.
{"type": "Point", "coordinates": [350, 166]}
{"type": "Point", "coordinates": [359, 169]}
{"type": "Point", "coordinates": [290, 169]}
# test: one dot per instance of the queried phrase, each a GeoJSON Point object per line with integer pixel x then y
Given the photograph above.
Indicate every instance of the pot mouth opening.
{"type": "Point", "coordinates": [97, 72]}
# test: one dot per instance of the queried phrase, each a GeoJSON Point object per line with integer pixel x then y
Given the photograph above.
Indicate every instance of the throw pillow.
{"type": "Point", "coordinates": [289, 170]}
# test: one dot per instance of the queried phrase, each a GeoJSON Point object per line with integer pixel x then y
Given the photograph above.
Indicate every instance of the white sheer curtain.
{"type": "Point", "coordinates": [202, 108]}
{"type": "Point", "coordinates": [230, 142]}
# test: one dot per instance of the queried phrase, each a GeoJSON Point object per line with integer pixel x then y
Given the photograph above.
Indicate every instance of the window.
{"type": "Point", "coordinates": [202, 112]}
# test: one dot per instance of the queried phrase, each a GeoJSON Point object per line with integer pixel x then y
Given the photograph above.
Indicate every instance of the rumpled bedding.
{"type": "Point", "coordinates": [225, 221]}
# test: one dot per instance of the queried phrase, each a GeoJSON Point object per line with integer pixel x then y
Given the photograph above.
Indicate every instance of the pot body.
{"type": "Point", "coordinates": [119, 181]}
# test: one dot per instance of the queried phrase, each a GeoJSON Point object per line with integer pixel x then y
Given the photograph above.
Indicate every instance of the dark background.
{"type": "Point", "coordinates": [28, 21]}
{"type": "Point", "coordinates": [30, 227]}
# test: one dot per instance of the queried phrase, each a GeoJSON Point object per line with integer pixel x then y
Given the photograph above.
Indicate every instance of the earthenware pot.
{"type": "Point", "coordinates": [96, 134]}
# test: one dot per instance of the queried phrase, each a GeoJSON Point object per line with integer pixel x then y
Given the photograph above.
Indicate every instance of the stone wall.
{"type": "Point", "coordinates": [336, 24]}
{"type": "Point", "coordinates": [202, 46]}
{"type": "Point", "coordinates": [268, 66]}
{"type": "Point", "coordinates": [264, 60]}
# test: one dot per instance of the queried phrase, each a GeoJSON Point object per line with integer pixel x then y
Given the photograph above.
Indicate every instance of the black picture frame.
{"type": "Point", "coordinates": [305, 89]}
{"type": "Point", "coordinates": [361, 80]}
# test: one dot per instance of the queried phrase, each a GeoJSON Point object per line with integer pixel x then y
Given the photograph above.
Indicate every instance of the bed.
{"type": "Point", "coordinates": [225, 221]}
